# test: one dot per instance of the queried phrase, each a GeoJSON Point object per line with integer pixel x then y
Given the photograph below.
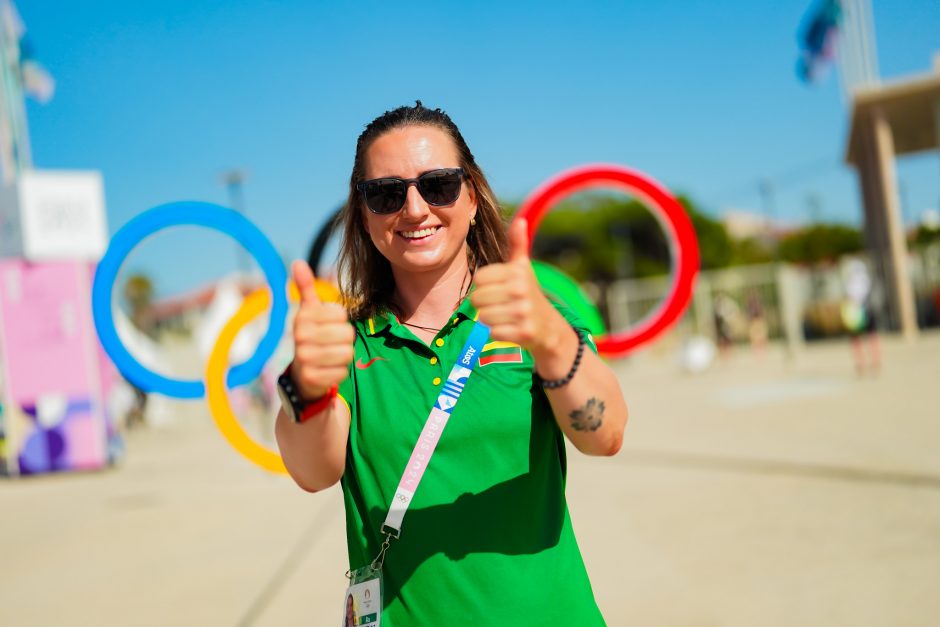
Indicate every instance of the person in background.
{"type": "Point", "coordinates": [858, 316]}
{"type": "Point", "coordinates": [756, 322]}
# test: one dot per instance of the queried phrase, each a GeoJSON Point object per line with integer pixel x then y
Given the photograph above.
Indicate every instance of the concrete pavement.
{"type": "Point", "coordinates": [766, 491]}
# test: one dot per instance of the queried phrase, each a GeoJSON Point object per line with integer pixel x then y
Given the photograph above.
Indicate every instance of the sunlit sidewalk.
{"type": "Point", "coordinates": [765, 491]}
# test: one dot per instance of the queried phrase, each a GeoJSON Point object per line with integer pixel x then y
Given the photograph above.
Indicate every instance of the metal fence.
{"type": "Point", "coordinates": [796, 303]}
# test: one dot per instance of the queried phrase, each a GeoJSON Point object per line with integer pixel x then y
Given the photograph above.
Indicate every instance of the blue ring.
{"type": "Point", "coordinates": [213, 217]}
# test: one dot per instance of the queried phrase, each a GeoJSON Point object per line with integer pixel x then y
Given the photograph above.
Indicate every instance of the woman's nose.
{"type": "Point", "coordinates": [415, 207]}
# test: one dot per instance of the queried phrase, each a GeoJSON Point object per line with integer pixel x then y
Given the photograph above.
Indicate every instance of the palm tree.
{"type": "Point", "coordinates": [138, 295]}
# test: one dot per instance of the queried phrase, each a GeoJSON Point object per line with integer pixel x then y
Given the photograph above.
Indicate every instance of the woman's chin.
{"type": "Point", "coordinates": [424, 261]}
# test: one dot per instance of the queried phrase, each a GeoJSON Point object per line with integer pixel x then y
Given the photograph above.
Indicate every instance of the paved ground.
{"type": "Point", "coordinates": [767, 491]}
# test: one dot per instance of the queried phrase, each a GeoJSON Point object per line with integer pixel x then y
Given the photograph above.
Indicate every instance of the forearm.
{"type": "Point", "coordinates": [314, 451]}
{"type": "Point", "coordinates": [590, 408]}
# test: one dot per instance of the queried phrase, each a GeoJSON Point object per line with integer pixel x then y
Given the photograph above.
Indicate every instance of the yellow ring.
{"type": "Point", "coordinates": [254, 305]}
{"type": "Point", "coordinates": [216, 394]}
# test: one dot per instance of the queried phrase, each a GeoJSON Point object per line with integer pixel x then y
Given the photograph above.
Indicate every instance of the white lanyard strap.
{"type": "Point", "coordinates": [433, 427]}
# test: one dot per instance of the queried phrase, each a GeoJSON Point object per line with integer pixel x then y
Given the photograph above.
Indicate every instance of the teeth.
{"type": "Point", "coordinates": [416, 234]}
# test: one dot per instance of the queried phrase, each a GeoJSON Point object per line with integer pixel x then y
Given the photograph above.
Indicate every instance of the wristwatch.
{"type": "Point", "coordinates": [295, 406]}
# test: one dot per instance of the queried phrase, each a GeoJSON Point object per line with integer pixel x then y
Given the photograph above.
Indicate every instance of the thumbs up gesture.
{"type": "Point", "coordinates": [323, 338]}
{"type": "Point", "coordinates": [510, 301]}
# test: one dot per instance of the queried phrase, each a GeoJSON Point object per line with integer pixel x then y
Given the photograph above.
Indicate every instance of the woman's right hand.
{"type": "Point", "coordinates": [323, 339]}
{"type": "Point", "coordinates": [314, 451]}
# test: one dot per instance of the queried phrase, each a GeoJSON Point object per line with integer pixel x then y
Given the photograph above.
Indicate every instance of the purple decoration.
{"type": "Point", "coordinates": [45, 449]}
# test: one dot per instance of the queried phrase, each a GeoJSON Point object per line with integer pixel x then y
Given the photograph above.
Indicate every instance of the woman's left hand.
{"type": "Point", "coordinates": [510, 301]}
{"type": "Point", "coordinates": [589, 407]}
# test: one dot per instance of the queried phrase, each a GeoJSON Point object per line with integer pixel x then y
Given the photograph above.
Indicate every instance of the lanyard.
{"type": "Point", "coordinates": [431, 434]}
{"type": "Point", "coordinates": [367, 580]}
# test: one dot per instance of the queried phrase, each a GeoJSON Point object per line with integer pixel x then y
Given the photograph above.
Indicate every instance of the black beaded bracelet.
{"type": "Point", "coordinates": [557, 383]}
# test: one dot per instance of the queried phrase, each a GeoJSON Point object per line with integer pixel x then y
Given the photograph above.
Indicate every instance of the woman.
{"type": "Point", "coordinates": [349, 618]}
{"type": "Point", "coordinates": [487, 538]}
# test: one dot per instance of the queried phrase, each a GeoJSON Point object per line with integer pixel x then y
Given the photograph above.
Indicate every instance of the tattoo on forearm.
{"type": "Point", "coordinates": [588, 418]}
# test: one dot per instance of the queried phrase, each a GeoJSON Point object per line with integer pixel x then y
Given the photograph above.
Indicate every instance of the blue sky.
{"type": "Point", "coordinates": [164, 96]}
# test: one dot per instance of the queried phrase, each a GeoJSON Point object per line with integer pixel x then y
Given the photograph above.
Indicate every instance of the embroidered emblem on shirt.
{"type": "Point", "coordinates": [363, 366]}
{"type": "Point", "coordinates": [501, 353]}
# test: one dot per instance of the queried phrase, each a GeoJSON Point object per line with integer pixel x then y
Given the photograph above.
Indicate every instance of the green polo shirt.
{"type": "Point", "coordinates": [487, 539]}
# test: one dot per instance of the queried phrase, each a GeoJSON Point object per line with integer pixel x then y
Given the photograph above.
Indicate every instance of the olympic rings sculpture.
{"type": "Point", "coordinates": [679, 231]}
{"type": "Point", "coordinates": [253, 306]}
{"type": "Point", "coordinates": [227, 221]}
{"type": "Point", "coordinates": [193, 214]}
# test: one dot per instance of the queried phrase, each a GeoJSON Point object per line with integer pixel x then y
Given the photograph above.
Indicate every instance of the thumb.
{"type": "Point", "coordinates": [519, 240]}
{"type": "Point", "coordinates": [303, 278]}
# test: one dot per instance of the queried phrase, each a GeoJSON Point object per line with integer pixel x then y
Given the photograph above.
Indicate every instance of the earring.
{"type": "Point", "coordinates": [473, 221]}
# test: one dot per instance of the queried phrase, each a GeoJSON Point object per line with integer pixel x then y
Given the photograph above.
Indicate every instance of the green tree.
{"type": "Point", "coordinates": [750, 250]}
{"type": "Point", "coordinates": [715, 245]}
{"type": "Point", "coordinates": [820, 242]}
{"type": "Point", "coordinates": [926, 235]}
{"type": "Point", "coordinates": [138, 296]}
{"type": "Point", "coordinates": [602, 237]}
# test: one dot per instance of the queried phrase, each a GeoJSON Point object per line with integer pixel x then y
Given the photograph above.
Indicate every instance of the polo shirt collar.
{"type": "Point", "coordinates": [466, 310]}
{"type": "Point", "coordinates": [381, 321]}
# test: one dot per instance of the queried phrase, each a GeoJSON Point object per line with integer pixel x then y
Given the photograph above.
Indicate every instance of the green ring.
{"type": "Point", "coordinates": [561, 287]}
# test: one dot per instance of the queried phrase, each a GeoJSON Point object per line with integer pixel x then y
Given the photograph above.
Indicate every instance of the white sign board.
{"type": "Point", "coordinates": [52, 215]}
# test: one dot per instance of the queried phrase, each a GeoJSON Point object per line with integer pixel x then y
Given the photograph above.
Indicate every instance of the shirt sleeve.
{"type": "Point", "coordinates": [348, 388]}
{"type": "Point", "coordinates": [576, 322]}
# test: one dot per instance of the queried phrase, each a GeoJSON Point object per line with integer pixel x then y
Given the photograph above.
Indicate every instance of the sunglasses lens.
{"type": "Point", "coordinates": [385, 196]}
{"type": "Point", "coordinates": [437, 187]}
{"type": "Point", "coordinates": [440, 187]}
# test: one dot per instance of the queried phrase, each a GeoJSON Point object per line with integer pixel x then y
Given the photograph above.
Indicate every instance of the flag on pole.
{"type": "Point", "coordinates": [37, 82]}
{"type": "Point", "coordinates": [20, 74]}
{"type": "Point", "coordinates": [818, 39]}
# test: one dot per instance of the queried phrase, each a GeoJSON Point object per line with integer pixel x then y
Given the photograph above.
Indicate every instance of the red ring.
{"type": "Point", "coordinates": [679, 233]}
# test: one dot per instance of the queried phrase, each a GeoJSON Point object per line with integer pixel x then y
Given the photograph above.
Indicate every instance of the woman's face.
{"type": "Point", "coordinates": [419, 237]}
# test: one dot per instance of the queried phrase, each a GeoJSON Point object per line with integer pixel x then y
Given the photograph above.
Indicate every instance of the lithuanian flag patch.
{"type": "Point", "coordinates": [500, 353]}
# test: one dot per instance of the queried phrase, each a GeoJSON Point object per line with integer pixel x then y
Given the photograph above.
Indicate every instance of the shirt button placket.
{"type": "Point", "coordinates": [434, 361]}
{"type": "Point", "coordinates": [438, 342]}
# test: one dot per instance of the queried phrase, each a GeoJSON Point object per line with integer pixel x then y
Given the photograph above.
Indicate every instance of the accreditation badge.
{"type": "Point", "coordinates": [363, 605]}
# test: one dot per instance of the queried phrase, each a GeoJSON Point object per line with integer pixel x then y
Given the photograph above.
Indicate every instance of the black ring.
{"type": "Point", "coordinates": [322, 239]}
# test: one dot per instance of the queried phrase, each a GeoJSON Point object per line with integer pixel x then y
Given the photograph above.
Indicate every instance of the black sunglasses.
{"type": "Point", "coordinates": [387, 195]}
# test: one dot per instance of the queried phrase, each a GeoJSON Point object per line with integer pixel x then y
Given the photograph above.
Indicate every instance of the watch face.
{"type": "Point", "coordinates": [285, 402]}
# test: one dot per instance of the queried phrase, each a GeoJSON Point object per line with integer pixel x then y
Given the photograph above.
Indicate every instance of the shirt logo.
{"type": "Point", "coordinates": [363, 366]}
{"type": "Point", "coordinates": [468, 358]}
{"type": "Point", "coordinates": [500, 353]}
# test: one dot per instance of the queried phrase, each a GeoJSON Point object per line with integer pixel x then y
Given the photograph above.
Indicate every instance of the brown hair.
{"type": "Point", "coordinates": [365, 275]}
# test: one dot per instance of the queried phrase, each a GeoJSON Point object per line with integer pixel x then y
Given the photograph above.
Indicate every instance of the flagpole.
{"type": "Point", "coordinates": [233, 180]}
{"type": "Point", "coordinates": [15, 154]}
{"type": "Point", "coordinates": [858, 63]}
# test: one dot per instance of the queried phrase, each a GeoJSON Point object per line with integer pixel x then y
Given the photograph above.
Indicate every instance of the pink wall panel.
{"type": "Point", "coordinates": [51, 360]}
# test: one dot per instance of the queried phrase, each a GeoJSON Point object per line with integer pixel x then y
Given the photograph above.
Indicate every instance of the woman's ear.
{"type": "Point", "coordinates": [471, 192]}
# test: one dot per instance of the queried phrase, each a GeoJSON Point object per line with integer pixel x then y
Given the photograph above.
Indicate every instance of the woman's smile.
{"type": "Point", "coordinates": [419, 235]}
